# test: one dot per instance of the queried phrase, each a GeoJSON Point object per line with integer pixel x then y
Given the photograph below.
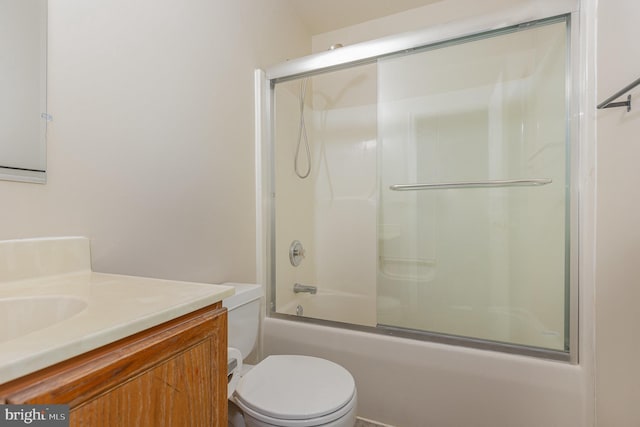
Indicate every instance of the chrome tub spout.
{"type": "Point", "coordinates": [298, 288]}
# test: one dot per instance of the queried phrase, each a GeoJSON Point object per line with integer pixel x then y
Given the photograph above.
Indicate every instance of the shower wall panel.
{"type": "Point", "coordinates": [333, 211]}
{"type": "Point", "coordinates": [295, 205]}
{"type": "Point", "coordinates": [346, 186]}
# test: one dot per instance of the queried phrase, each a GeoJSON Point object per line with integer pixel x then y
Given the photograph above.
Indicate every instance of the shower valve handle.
{"type": "Point", "coordinates": [296, 253]}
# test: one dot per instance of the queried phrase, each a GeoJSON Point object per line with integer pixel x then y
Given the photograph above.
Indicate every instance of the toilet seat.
{"type": "Point", "coordinates": [296, 391]}
{"type": "Point", "coordinates": [344, 417]}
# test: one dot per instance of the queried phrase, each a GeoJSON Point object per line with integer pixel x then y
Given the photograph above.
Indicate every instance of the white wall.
{"type": "Point", "coordinates": [442, 12]}
{"type": "Point", "coordinates": [618, 235]}
{"type": "Point", "coordinates": [151, 151]}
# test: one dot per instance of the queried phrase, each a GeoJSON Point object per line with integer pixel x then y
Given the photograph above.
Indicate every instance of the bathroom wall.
{"type": "Point", "coordinates": [438, 13]}
{"type": "Point", "coordinates": [151, 151]}
{"type": "Point", "coordinates": [618, 235]}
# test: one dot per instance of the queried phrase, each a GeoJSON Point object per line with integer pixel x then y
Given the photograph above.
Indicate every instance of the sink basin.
{"type": "Point", "coordinates": [22, 315]}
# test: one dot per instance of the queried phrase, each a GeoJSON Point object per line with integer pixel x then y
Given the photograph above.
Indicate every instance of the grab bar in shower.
{"type": "Point", "coordinates": [472, 184]}
{"type": "Point", "coordinates": [607, 103]}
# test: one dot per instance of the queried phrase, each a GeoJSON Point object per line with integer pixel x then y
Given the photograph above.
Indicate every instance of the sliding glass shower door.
{"type": "Point", "coordinates": [473, 169]}
{"type": "Point", "coordinates": [426, 191]}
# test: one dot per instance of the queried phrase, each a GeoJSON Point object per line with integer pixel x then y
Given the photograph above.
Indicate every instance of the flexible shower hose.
{"type": "Point", "coordinates": [302, 134]}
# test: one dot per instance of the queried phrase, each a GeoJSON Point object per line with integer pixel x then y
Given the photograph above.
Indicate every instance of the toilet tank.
{"type": "Point", "coordinates": [243, 317]}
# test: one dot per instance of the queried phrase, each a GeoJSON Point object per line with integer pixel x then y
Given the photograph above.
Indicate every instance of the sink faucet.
{"type": "Point", "coordinates": [297, 288]}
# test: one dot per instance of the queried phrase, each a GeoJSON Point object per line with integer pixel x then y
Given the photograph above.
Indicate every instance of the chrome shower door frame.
{"type": "Point", "coordinates": [348, 56]}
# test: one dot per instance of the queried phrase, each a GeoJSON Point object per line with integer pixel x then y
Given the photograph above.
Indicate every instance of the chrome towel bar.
{"type": "Point", "coordinates": [607, 103]}
{"type": "Point", "coordinates": [472, 184]}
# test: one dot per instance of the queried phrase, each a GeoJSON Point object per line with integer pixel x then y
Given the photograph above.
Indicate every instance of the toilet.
{"type": "Point", "coordinates": [281, 390]}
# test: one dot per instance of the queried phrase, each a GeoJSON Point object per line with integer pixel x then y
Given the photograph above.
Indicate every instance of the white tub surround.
{"type": "Point", "coordinates": [71, 309]}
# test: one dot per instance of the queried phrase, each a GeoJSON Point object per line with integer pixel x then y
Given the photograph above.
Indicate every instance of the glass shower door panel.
{"type": "Point", "coordinates": [325, 193]}
{"type": "Point", "coordinates": [481, 250]}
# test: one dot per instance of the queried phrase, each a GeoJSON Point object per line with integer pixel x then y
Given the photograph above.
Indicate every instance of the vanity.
{"type": "Point", "coordinates": [119, 350]}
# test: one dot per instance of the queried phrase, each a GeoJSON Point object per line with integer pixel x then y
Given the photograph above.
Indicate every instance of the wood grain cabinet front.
{"type": "Point", "coordinates": [174, 374]}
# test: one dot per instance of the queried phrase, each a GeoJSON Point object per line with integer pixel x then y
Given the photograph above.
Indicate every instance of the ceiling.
{"type": "Point", "coordinates": [321, 16]}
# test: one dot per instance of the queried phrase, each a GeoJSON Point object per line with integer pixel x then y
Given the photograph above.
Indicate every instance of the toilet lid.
{"type": "Point", "coordinates": [296, 387]}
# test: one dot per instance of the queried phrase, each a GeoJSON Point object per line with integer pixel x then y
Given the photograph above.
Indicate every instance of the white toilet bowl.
{"type": "Point", "coordinates": [284, 390]}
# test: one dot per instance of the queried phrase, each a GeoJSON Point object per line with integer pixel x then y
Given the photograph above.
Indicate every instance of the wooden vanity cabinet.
{"type": "Point", "coordinates": [174, 374]}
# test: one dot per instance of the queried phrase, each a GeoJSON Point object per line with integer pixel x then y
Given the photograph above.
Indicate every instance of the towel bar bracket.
{"type": "Point", "coordinates": [608, 102]}
{"type": "Point", "coordinates": [626, 103]}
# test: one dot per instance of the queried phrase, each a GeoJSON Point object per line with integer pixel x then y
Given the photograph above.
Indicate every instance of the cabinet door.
{"type": "Point", "coordinates": [170, 375]}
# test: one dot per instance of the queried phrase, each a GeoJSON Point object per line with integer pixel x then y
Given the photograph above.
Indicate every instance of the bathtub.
{"type": "Point", "coordinates": [409, 383]}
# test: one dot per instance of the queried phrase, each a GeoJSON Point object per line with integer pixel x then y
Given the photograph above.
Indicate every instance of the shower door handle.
{"type": "Point", "coordinates": [472, 184]}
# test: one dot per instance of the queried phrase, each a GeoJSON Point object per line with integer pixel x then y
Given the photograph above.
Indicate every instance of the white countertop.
{"type": "Point", "coordinates": [116, 307]}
